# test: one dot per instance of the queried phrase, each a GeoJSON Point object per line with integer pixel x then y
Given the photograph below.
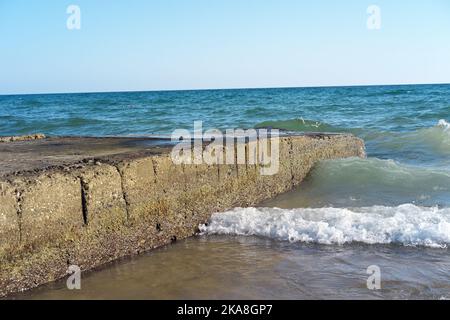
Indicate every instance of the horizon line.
{"type": "Point", "coordinates": [225, 89]}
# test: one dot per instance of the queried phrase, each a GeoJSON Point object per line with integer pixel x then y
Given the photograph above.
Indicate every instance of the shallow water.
{"type": "Point", "coordinates": [236, 267]}
{"type": "Point", "coordinates": [391, 209]}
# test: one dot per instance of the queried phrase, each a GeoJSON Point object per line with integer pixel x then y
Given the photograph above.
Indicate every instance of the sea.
{"type": "Point", "coordinates": [374, 228]}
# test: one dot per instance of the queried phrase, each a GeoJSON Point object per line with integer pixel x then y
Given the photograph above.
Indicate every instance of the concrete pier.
{"type": "Point", "coordinates": [89, 201]}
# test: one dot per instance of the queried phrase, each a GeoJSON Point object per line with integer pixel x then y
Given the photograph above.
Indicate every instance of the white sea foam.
{"type": "Point", "coordinates": [444, 124]}
{"type": "Point", "coordinates": [407, 224]}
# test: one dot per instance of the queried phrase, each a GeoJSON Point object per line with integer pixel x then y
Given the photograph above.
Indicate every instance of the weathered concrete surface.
{"type": "Point", "coordinates": [88, 201]}
{"type": "Point", "coordinates": [22, 155]}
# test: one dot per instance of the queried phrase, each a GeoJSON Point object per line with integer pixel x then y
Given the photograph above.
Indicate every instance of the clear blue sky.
{"type": "Point", "coordinates": [188, 44]}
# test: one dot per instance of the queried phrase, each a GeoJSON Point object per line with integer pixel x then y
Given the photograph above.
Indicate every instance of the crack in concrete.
{"type": "Point", "coordinates": [19, 199]}
{"type": "Point", "coordinates": [291, 155]}
{"type": "Point", "coordinates": [84, 200]}
{"type": "Point", "coordinates": [124, 193]}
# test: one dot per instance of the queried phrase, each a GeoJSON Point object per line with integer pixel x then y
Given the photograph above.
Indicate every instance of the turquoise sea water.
{"type": "Point", "coordinates": [393, 206]}
{"type": "Point", "coordinates": [406, 128]}
{"type": "Point", "coordinates": [358, 109]}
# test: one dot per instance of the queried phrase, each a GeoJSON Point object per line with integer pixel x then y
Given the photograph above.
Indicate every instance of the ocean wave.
{"type": "Point", "coordinates": [300, 125]}
{"type": "Point", "coordinates": [79, 121]}
{"type": "Point", "coordinates": [303, 125]}
{"type": "Point", "coordinates": [430, 143]}
{"type": "Point", "coordinates": [373, 171]}
{"type": "Point", "coordinates": [407, 225]}
{"type": "Point", "coordinates": [398, 92]}
{"type": "Point", "coordinates": [371, 181]}
{"type": "Point", "coordinates": [434, 139]}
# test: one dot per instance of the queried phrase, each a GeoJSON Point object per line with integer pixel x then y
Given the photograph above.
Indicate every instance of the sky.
{"type": "Point", "coordinates": [139, 45]}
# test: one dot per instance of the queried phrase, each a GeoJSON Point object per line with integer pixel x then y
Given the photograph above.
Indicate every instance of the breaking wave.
{"type": "Point", "coordinates": [407, 224]}
{"type": "Point", "coordinates": [374, 181]}
{"type": "Point", "coordinates": [434, 139]}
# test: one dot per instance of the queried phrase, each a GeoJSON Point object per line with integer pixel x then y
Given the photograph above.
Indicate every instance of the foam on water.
{"type": "Point", "coordinates": [406, 224]}
{"type": "Point", "coordinates": [444, 124]}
